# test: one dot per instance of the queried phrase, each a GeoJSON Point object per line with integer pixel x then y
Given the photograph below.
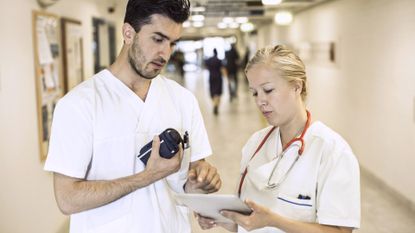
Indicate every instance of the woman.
{"type": "Point", "coordinates": [214, 65]}
{"type": "Point", "coordinates": [297, 175]}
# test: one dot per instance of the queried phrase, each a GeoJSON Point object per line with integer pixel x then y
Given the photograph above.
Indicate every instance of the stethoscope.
{"type": "Point", "coordinates": [274, 185]}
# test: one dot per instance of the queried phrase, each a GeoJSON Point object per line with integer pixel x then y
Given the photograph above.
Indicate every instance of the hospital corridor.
{"type": "Point", "coordinates": [86, 84]}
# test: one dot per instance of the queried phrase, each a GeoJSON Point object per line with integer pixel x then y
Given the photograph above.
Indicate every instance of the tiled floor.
{"type": "Point", "coordinates": [236, 121]}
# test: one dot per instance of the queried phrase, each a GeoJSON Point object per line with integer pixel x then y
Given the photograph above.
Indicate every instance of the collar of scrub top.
{"type": "Point", "coordinates": [296, 139]}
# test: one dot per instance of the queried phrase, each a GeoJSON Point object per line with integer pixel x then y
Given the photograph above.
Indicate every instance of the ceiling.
{"type": "Point", "coordinates": [256, 12]}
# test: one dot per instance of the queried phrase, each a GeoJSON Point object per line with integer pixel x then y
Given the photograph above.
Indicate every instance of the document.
{"type": "Point", "coordinates": [209, 205]}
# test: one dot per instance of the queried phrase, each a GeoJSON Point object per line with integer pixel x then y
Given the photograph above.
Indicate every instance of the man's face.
{"type": "Point", "coordinates": [153, 45]}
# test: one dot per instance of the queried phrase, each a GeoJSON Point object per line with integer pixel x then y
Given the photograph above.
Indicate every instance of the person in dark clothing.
{"type": "Point", "coordinates": [214, 66]}
{"type": "Point", "coordinates": [232, 58]}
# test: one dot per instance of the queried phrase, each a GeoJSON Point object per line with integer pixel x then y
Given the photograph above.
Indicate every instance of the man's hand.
{"type": "Point", "coordinates": [202, 178]}
{"type": "Point", "coordinates": [158, 167]}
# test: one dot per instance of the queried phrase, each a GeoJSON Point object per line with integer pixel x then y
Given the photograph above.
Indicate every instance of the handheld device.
{"type": "Point", "coordinates": [170, 141]}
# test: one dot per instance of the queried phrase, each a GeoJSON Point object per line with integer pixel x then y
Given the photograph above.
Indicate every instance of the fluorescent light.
{"type": "Point", "coordinates": [198, 24]}
{"type": "Point", "coordinates": [241, 19]}
{"type": "Point", "coordinates": [186, 24]}
{"type": "Point", "coordinates": [197, 17]}
{"type": "Point", "coordinates": [234, 25]}
{"type": "Point", "coordinates": [227, 20]}
{"type": "Point", "coordinates": [271, 2]}
{"type": "Point", "coordinates": [247, 27]}
{"type": "Point", "coordinates": [198, 9]}
{"type": "Point", "coordinates": [222, 25]}
{"type": "Point", "coordinates": [283, 18]}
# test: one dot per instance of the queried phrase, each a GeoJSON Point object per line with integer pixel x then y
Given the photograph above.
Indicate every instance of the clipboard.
{"type": "Point", "coordinates": [209, 205]}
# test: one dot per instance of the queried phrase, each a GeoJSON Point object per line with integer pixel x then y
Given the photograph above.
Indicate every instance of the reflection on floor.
{"type": "Point", "coordinates": [236, 121]}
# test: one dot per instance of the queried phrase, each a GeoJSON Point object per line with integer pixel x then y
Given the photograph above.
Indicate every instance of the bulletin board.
{"type": "Point", "coordinates": [72, 47]}
{"type": "Point", "coordinates": [48, 75]}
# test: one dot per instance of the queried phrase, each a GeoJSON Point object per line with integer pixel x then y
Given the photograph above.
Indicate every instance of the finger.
{"type": "Point", "coordinates": [210, 174]}
{"type": "Point", "coordinates": [254, 206]}
{"type": "Point", "coordinates": [191, 175]}
{"type": "Point", "coordinates": [155, 147]}
{"type": "Point", "coordinates": [229, 214]}
{"type": "Point", "coordinates": [202, 173]}
{"type": "Point", "coordinates": [215, 187]}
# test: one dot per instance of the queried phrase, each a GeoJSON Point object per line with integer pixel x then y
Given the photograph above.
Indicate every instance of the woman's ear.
{"type": "Point", "coordinates": [298, 86]}
{"type": "Point", "coordinates": [128, 33]}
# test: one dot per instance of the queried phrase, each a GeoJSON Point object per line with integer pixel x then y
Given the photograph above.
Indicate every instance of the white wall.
{"type": "Point", "coordinates": [369, 95]}
{"type": "Point", "coordinates": [26, 197]}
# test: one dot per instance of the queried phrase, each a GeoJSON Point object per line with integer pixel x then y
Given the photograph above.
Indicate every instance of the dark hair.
{"type": "Point", "coordinates": [215, 52]}
{"type": "Point", "coordinates": [139, 12]}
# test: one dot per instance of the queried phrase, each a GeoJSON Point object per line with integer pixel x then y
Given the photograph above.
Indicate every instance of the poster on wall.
{"type": "Point", "coordinates": [72, 47]}
{"type": "Point", "coordinates": [48, 78]}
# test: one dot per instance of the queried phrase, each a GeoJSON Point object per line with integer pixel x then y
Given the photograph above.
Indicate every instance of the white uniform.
{"type": "Point", "coordinates": [326, 174]}
{"type": "Point", "coordinates": [97, 132]}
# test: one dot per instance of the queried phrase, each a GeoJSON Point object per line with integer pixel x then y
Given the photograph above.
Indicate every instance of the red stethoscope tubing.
{"type": "Point", "coordinates": [300, 151]}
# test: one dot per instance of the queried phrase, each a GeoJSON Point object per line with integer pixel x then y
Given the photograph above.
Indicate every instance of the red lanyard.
{"type": "Point", "coordinates": [300, 151]}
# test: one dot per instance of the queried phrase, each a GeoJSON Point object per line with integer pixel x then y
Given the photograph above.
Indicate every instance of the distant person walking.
{"type": "Point", "coordinates": [214, 66]}
{"type": "Point", "coordinates": [232, 58]}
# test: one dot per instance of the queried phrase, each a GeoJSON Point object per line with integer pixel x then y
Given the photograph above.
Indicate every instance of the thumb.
{"type": "Point", "coordinates": [252, 205]}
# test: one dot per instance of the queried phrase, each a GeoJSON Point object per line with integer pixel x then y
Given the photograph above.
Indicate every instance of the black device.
{"type": "Point", "coordinates": [170, 141]}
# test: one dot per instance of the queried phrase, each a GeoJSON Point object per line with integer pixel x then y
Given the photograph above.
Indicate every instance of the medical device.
{"type": "Point", "coordinates": [170, 141]}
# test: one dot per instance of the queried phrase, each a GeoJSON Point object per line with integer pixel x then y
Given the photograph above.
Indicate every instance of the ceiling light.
{"type": "Point", "coordinates": [241, 19]}
{"type": "Point", "coordinates": [198, 24]}
{"type": "Point", "coordinates": [186, 24]}
{"type": "Point", "coordinates": [247, 27]}
{"type": "Point", "coordinates": [283, 18]}
{"type": "Point", "coordinates": [197, 17]}
{"type": "Point", "coordinates": [227, 20]}
{"type": "Point", "coordinates": [198, 9]}
{"type": "Point", "coordinates": [222, 25]}
{"type": "Point", "coordinates": [234, 25]}
{"type": "Point", "coordinates": [271, 2]}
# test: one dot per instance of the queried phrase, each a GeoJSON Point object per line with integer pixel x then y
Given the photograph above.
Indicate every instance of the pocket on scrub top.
{"type": "Point", "coordinates": [297, 209]}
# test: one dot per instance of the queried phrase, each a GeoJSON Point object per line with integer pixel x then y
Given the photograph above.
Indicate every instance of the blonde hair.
{"type": "Point", "coordinates": [285, 61]}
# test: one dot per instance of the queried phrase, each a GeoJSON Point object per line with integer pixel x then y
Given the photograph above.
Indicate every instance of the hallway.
{"type": "Point", "coordinates": [228, 132]}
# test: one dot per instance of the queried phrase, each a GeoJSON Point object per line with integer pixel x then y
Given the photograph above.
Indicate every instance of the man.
{"type": "Point", "coordinates": [99, 128]}
{"type": "Point", "coordinates": [232, 57]}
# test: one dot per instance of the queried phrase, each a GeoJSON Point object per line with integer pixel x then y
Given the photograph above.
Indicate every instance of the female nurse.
{"type": "Point", "coordinates": [297, 175]}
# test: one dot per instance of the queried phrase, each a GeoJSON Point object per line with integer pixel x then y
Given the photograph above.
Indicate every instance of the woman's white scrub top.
{"type": "Point", "coordinates": [322, 187]}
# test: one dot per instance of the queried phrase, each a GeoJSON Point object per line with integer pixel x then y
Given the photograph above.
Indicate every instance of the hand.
{"type": "Point", "coordinates": [202, 178]}
{"type": "Point", "coordinates": [259, 218]}
{"type": "Point", "coordinates": [208, 223]}
{"type": "Point", "coordinates": [159, 167]}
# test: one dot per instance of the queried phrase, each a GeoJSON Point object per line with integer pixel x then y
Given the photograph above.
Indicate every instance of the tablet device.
{"type": "Point", "coordinates": [209, 205]}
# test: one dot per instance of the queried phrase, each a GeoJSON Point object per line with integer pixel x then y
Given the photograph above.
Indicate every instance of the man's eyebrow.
{"type": "Point", "coordinates": [165, 36]}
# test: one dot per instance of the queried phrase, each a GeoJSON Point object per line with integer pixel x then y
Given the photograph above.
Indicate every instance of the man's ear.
{"type": "Point", "coordinates": [128, 33]}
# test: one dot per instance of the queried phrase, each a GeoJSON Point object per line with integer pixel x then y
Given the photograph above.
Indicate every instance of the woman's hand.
{"type": "Point", "coordinates": [208, 223]}
{"type": "Point", "coordinates": [259, 218]}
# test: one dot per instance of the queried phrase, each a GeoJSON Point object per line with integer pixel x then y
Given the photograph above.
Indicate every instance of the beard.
{"type": "Point", "coordinates": [138, 62]}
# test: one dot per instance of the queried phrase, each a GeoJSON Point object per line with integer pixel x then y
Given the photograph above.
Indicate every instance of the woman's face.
{"type": "Point", "coordinates": [275, 97]}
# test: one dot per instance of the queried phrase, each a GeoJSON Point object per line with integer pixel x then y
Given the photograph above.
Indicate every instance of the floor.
{"type": "Point", "coordinates": [381, 212]}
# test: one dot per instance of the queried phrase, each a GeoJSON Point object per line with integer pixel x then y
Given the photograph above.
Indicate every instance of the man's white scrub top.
{"type": "Point", "coordinates": [97, 131]}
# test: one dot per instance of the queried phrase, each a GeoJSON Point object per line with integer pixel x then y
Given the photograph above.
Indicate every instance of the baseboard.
{"type": "Point", "coordinates": [389, 191]}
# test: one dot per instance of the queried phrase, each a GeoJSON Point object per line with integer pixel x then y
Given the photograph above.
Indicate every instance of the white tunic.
{"type": "Point", "coordinates": [327, 173]}
{"type": "Point", "coordinates": [97, 132]}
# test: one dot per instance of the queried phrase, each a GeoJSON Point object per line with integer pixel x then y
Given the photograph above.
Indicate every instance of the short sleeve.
{"type": "Point", "coordinates": [70, 144]}
{"type": "Point", "coordinates": [199, 141]}
{"type": "Point", "coordinates": [338, 194]}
